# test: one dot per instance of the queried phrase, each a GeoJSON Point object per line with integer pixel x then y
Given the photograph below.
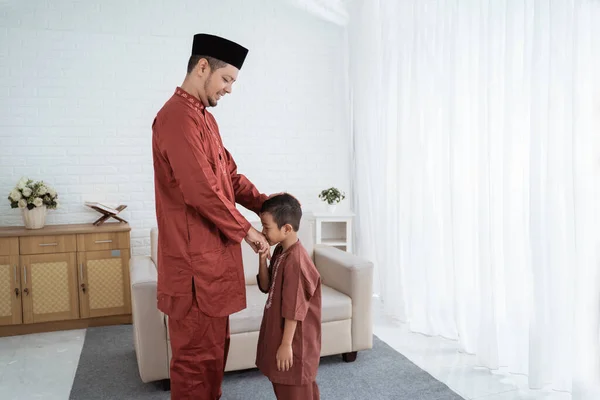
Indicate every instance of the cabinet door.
{"type": "Point", "coordinates": [104, 283]}
{"type": "Point", "coordinates": [10, 291]}
{"type": "Point", "coordinates": [49, 283]}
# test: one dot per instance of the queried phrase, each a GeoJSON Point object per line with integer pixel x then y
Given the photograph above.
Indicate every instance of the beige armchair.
{"type": "Point", "coordinates": [346, 315]}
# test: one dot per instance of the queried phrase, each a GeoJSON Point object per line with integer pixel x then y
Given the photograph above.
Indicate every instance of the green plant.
{"type": "Point", "coordinates": [30, 194]}
{"type": "Point", "coordinates": [332, 196]}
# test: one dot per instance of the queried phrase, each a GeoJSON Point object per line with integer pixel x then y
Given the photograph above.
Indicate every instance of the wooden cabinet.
{"type": "Point", "coordinates": [49, 287]}
{"type": "Point", "coordinates": [48, 244]}
{"type": "Point", "coordinates": [104, 283]}
{"type": "Point", "coordinates": [10, 282]}
{"type": "Point", "coordinates": [64, 277]}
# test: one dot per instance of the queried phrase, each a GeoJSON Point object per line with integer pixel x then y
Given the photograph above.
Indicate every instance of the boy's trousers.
{"type": "Point", "coordinates": [303, 392]}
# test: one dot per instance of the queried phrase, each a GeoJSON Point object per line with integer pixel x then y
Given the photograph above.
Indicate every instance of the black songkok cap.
{"type": "Point", "coordinates": [219, 48]}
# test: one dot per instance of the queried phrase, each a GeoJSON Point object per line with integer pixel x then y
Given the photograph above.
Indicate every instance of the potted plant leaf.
{"type": "Point", "coordinates": [332, 197]}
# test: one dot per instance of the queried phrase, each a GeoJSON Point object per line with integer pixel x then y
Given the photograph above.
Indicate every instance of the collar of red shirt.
{"type": "Point", "coordinates": [290, 248]}
{"type": "Point", "coordinates": [192, 101]}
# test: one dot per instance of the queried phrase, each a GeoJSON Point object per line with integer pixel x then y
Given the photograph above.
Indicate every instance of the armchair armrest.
{"type": "Point", "coordinates": [352, 276]}
{"type": "Point", "coordinates": [149, 330]}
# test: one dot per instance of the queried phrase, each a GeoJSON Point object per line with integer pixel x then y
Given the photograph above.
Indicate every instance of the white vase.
{"type": "Point", "coordinates": [34, 218]}
{"type": "Point", "coordinates": [331, 208]}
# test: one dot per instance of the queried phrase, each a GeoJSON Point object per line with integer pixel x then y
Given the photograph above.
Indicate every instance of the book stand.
{"type": "Point", "coordinates": [107, 215]}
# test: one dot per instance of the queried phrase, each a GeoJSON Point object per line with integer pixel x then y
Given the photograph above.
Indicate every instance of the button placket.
{"type": "Point", "coordinates": [195, 104]}
{"type": "Point", "coordinates": [219, 147]}
{"type": "Point", "coordinates": [272, 288]}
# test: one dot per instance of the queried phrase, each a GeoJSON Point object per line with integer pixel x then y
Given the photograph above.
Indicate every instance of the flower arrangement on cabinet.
{"type": "Point", "coordinates": [33, 198]}
{"type": "Point", "coordinates": [31, 194]}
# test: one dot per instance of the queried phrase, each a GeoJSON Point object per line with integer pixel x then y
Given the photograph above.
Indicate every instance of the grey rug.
{"type": "Point", "coordinates": [108, 370]}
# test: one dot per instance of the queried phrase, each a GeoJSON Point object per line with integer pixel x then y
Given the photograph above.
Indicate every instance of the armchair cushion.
{"type": "Point", "coordinates": [336, 307]}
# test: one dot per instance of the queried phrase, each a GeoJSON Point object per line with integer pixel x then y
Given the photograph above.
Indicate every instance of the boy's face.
{"type": "Point", "coordinates": [273, 234]}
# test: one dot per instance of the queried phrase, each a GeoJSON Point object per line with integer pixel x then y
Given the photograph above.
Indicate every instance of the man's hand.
{"type": "Point", "coordinates": [285, 357]}
{"type": "Point", "coordinates": [257, 241]}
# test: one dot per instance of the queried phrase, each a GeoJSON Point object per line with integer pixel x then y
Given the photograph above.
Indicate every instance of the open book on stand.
{"type": "Point", "coordinates": [106, 211]}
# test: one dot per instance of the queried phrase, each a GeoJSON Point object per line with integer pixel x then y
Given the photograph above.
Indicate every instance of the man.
{"type": "Point", "coordinates": [200, 273]}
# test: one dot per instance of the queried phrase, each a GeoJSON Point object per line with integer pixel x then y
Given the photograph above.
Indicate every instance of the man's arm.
{"type": "Point", "coordinates": [180, 145]}
{"type": "Point", "coordinates": [246, 193]}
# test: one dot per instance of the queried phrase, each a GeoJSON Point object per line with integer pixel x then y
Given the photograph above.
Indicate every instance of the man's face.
{"type": "Point", "coordinates": [219, 82]}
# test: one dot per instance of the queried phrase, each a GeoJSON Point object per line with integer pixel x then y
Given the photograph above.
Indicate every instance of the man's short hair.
{"type": "Point", "coordinates": [285, 209]}
{"type": "Point", "coordinates": [213, 63]}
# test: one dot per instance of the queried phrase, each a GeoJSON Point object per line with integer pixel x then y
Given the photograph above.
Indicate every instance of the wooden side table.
{"type": "Point", "coordinates": [334, 229]}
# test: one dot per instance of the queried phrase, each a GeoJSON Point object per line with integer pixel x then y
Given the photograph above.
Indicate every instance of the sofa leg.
{"type": "Point", "coordinates": [166, 384]}
{"type": "Point", "coordinates": [349, 357]}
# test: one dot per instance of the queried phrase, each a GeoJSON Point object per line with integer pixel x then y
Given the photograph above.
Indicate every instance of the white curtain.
{"type": "Point", "coordinates": [476, 175]}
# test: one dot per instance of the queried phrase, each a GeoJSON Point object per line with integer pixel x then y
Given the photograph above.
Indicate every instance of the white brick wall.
{"type": "Point", "coordinates": [80, 83]}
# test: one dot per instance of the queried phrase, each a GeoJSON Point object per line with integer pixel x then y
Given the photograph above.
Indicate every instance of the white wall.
{"type": "Point", "coordinates": [80, 83]}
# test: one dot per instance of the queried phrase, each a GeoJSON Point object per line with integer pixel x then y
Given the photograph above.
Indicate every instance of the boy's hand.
{"type": "Point", "coordinates": [265, 255]}
{"type": "Point", "coordinates": [285, 357]}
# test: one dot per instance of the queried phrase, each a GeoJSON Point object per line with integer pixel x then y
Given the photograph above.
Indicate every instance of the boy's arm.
{"type": "Point", "coordinates": [285, 354]}
{"type": "Point", "coordinates": [297, 290]}
{"type": "Point", "coordinates": [299, 285]}
{"type": "Point", "coordinates": [288, 332]}
{"type": "Point", "coordinates": [264, 276]}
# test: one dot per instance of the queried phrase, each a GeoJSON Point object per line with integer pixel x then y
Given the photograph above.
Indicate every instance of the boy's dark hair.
{"type": "Point", "coordinates": [285, 209]}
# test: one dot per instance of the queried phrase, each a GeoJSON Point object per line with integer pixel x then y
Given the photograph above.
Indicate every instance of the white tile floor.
{"type": "Point", "coordinates": [39, 366]}
{"type": "Point", "coordinates": [42, 366]}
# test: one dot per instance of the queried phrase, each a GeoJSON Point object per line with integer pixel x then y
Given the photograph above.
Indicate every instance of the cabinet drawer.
{"type": "Point", "coordinates": [102, 241]}
{"type": "Point", "coordinates": [9, 246]}
{"type": "Point", "coordinates": [48, 244]}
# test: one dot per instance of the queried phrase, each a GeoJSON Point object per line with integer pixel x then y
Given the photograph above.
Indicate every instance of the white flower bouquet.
{"type": "Point", "coordinates": [30, 194]}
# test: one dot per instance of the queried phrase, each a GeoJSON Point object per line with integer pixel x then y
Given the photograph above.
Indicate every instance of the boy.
{"type": "Point", "coordinates": [289, 343]}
